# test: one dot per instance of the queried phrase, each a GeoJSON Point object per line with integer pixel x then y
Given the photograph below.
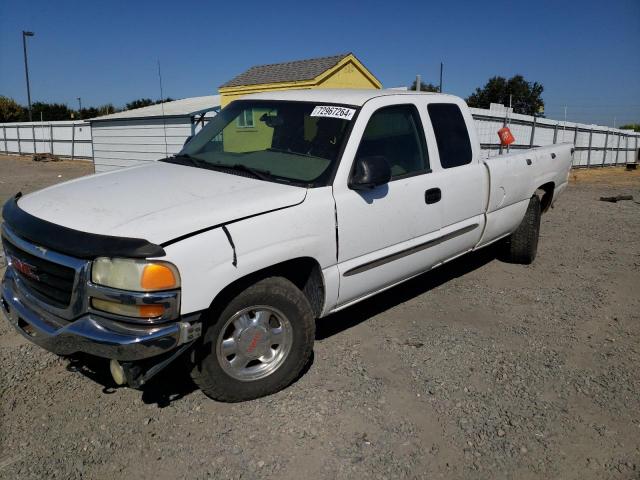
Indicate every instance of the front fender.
{"type": "Point", "coordinates": [206, 261]}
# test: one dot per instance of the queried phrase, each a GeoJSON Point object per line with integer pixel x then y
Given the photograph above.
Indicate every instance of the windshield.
{"type": "Point", "coordinates": [294, 142]}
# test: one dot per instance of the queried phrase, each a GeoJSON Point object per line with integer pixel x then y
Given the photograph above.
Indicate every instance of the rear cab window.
{"type": "Point", "coordinates": [452, 136]}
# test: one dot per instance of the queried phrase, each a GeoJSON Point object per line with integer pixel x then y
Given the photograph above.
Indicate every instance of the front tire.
{"type": "Point", "coordinates": [258, 344]}
{"type": "Point", "coordinates": [523, 243]}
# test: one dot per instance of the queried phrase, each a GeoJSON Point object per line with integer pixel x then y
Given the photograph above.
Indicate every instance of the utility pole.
{"type": "Point", "coordinates": [80, 105]}
{"type": "Point", "coordinates": [441, 68]}
{"type": "Point", "coordinates": [26, 68]}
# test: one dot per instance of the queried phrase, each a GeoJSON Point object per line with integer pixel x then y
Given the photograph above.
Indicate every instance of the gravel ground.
{"type": "Point", "coordinates": [480, 369]}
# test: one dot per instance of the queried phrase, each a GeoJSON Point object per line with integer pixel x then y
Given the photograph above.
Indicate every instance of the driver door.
{"type": "Point", "coordinates": [384, 232]}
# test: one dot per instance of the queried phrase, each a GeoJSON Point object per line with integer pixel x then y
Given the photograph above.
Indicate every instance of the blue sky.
{"type": "Point", "coordinates": [585, 53]}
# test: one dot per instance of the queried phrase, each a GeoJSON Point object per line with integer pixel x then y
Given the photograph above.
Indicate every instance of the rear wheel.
{"type": "Point", "coordinates": [523, 243]}
{"type": "Point", "coordinates": [258, 344]}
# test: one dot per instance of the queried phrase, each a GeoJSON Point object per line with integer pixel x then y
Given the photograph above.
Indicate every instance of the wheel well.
{"type": "Point", "coordinates": [545, 192]}
{"type": "Point", "coordinates": [304, 272]}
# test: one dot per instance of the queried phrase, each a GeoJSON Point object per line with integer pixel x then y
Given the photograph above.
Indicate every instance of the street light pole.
{"type": "Point", "coordinates": [80, 110]}
{"type": "Point", "coordinates": [26, 68]}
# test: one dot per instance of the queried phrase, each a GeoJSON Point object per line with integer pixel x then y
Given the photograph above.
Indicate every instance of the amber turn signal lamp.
{"type": "Point", "coordinates": [150, 311]}
{"type": "Point", "coordinates": [137, 311]}
{"type": "Point", "coordinates": [156, 276]}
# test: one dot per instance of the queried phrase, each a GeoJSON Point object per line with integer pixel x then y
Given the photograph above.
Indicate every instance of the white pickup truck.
{"type": "Point", "coordinates": [286, 207]}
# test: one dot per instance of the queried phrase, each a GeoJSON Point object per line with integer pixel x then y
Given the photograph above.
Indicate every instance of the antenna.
{"type": "Point", "coordinates": [164, 120]}
{"type": "Point", "coordinates": [508, 119]}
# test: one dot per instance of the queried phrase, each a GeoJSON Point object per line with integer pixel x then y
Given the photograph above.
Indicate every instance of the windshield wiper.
{"type": "Point", "coordinates": [196, 162]}
{"type": "Point", "coordinates": [260, 174]}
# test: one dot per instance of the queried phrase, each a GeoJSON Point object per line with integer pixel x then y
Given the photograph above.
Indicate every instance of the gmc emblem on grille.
{"type": "Point", "coordinates": [25, 269]}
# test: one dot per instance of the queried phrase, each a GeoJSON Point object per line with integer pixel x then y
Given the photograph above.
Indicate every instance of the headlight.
{"type": "Point", "coordinates": [135, 275]}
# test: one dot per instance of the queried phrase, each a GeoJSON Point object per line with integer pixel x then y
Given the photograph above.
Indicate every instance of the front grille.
{"type": "Point", "coordinates": [49, 281]}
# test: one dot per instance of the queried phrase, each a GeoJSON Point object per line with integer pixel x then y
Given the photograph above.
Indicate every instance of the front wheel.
{"type": "Point", "coordinates": [258, 344]}
{"type": "Point", "coordinates": [523, 243]}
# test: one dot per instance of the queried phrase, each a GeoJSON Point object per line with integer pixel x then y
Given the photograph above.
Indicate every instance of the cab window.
{"type": "Point", "coordinates": [451, 134]}
{"type": "Point", "coordinates": [396, 133]}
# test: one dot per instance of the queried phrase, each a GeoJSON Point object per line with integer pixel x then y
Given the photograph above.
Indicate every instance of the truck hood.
{"type": "Point", "coordinates": [158, 202]}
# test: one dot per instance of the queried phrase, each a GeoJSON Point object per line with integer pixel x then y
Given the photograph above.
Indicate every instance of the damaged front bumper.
{"type": "Point", "coordinates": [92, 333]}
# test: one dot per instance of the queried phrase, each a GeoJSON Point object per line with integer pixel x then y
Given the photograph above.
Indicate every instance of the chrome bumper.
{"type": "Point", "coordinates": [92, 333]}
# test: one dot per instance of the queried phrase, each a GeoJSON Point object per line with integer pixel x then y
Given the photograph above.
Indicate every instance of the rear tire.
{"type": "Point", "coordinates": [268, 329]}
{"type": "Point", "coordinates": [523, 243]}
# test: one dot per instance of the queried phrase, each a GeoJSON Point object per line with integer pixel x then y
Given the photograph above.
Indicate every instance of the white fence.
{"type": "Point", "coordinates": [595, 145]}
{"type": "Point", "coordinates": [64, 138]}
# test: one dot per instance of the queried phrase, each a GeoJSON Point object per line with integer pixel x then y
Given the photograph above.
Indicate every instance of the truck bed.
{"type": "Point", "coordinates": [514, 178]}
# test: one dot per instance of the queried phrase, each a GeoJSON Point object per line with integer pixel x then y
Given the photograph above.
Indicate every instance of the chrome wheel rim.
{"type": "Point", "coordinates": [254, 343]}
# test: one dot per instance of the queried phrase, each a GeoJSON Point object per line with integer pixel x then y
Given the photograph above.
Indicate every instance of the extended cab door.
{"type": "Point", "coordinates": [462, 177]}
{"type": "Point", "coordinates": [384, 233]}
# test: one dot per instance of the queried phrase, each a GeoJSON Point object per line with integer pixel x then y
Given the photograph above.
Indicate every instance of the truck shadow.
{"type": "Point", "coordinates": [364, 310]}
{"type": "Point", "coordinates": [171, 384]}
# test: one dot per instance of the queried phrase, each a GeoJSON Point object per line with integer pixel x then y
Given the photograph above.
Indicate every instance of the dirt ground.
{"type": "Point", "coordinates": [480, 369]}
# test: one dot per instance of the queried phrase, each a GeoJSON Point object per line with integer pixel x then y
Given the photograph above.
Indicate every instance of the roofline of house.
{"type": "Point", "coordinates": [175, 115]}
{"type": "Point", "coordinates": [302, 83]}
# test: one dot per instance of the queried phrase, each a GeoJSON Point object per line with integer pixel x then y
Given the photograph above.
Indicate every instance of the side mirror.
{"type": "Point", "coordinates": [370, 172]}
{"type": "Point", "coordinates": [187, 140]}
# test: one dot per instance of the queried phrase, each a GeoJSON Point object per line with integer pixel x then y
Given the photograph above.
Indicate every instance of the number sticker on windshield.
{"type": "Point", "coordinates": [333, 112]}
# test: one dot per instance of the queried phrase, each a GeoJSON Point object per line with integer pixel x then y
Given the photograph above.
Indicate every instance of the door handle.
{"type": "Point", "coordinates": [528, 161]}
{"type": "Point", "coordinates": [433, 195]}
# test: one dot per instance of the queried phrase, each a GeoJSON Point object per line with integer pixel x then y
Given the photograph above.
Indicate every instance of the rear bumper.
{"type": "Point", "coordinates": [92, 333]}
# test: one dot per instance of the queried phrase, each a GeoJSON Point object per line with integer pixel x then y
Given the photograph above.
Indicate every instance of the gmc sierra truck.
{"type": "Point", "coordinates": [288, 206]}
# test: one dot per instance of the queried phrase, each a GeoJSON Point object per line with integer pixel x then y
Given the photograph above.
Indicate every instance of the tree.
{"type": "Point", "coordinates": [10, 110]}
{"type": "Point", "coordinates": [526, 96]}
{"type": "Point", "coordinates": [139, 103]}
{"type": "Point", "coordinates": [631, 126]}
{"type": "Point", "coordinates": [50, 111]}
{"type": "Point", "coordinates": [425, 87]}
{"type": "Point", "coordinates": [90, 112]}
{"type": "Point", "coordinates": [107, 109]}
{"type": "Point", "coordinates": [145, 102]}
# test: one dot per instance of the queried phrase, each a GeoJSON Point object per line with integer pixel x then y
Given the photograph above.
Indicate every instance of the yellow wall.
{"type": "Point", "coordinates": [259, 137]}
{"type": "Point", "coordinates": [348, 73]}
{"type": "Point", "coordinates": [247, 139]}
